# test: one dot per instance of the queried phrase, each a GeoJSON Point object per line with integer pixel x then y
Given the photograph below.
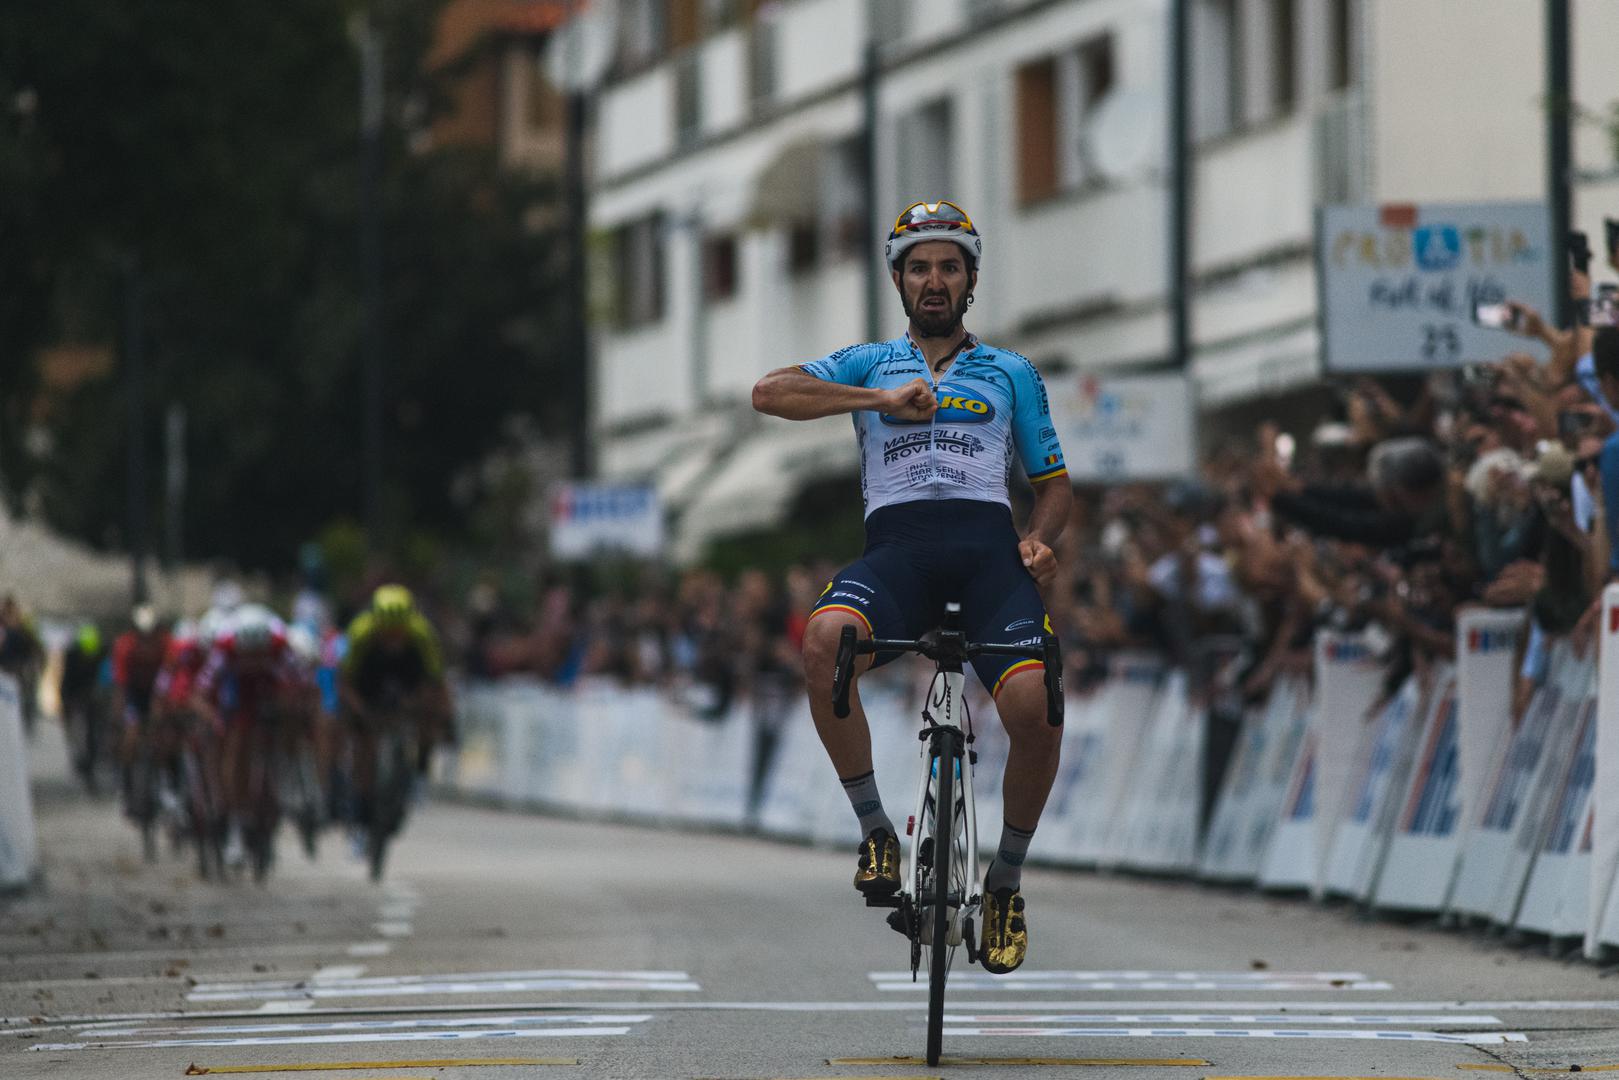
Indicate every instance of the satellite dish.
{"type": "Point", "coordinates": [1125, 135]}
{"type": "Point", "coordinates": [579, 51]}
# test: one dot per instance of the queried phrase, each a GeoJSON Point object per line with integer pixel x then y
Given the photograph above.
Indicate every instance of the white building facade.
{"type": "Point", "coordinates": [727, 215]}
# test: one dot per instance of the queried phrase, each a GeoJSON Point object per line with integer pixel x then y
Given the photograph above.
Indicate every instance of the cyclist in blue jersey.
{"type": "Point", "coordinates": [942, 419]}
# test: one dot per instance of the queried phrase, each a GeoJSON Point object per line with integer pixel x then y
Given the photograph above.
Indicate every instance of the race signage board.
{"type": "Point", "coordinates": [592, 519]}
{"type": "Point", "coordinates": [1124, 427]}
{"type": "Point", "coordinates": [1400, 284]}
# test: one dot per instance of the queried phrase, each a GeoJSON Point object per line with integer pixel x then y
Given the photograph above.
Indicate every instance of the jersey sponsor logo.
{"type": "Point", "coordinates": [956, 406]}
{"type": "Point", "coordinates": [896, 369]}
{"type": "Point", "coordinates": [1046, 433]}
{"type": "Point", "coordinates": [849, 583]}
{"type": "Point", "coordinates": [1019, 625]}
{"type": "Point", "coordinates": [856, 597]}
{"type": "Point", "coordinates": [945, 442]}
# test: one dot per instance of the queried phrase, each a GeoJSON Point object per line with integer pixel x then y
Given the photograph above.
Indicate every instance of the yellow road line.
{"type": "Point", "coordinates": [336, 1066]}
{"type": "Point", "coordinates": [1525, 1068]}
{"type": "Point", "coordinates": [1020, 1061]}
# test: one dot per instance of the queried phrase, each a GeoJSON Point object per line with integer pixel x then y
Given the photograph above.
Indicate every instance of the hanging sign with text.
{"type": "Point", "coordinates": [1401, 286]}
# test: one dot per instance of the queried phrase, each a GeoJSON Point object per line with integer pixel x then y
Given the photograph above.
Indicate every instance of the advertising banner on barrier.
{"type": "Point", "coordinates": [1427, 838]}
{"type": "Point", "coordinates": [1134, 682]}
{"type": "Point", "coordinates": [1401, 285]}
{"type": "Point", "coordinates": [1221, 860]}
{"type": "Point", "coordinates": [1558, 896]}
{"type": "Point", "coordinates": [1485, 851]}
{"type": "Point", "coordinates": [588, 519]}
{"type": "Point", "coordinates": [1603, 925]}
{"type": "Point", "coordinates": [18, 851]}
{"type": "Point", "coordinates": [1322, 762]}
{"type": "Point", "coordinates": [1080, 775]}
{"type": "Point", "coordinates": [1486, 648]}
{"type": "Point", "coordinates": [1544, 788]}
{"type": "Point", "coordinates": [1158, 829]}
{"type": "Point", "coordinates": [1355, 845]}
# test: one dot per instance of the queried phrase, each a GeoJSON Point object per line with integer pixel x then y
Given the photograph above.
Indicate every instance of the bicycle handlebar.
{"type": "Point", "coordinates": [1048, 652]}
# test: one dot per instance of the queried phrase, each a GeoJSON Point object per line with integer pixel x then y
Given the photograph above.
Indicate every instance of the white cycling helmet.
{"type": "Point", "coordinates": [255, 628]}
{"type": "Point", "coordinates": [923, 222]}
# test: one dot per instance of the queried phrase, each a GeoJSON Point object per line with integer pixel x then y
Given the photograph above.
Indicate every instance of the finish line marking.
{"type": "Point", "coordinates": [338, 1066]}
{"type": "Point", "coordinates": [1471, 1038]}
{"type": "Point", "coordinates": [1149, 1062]}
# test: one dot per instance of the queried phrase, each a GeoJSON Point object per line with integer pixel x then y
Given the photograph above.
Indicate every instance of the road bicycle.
{"type": "Point", "coordinates": [941, 891]}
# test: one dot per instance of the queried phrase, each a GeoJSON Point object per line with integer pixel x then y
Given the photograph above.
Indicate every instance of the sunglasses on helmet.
{"type": "Point", "coordinates": [926, 217]}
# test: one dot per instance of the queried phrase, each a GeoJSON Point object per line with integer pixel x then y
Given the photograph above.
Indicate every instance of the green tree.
{"type": "Point", "coordinates": [215, 148]}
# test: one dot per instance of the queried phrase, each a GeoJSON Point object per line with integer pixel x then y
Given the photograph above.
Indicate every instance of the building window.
{"type": "Point", "coordinates": [803, 248]}
{"type": "Point", "coordinates": [1284, 56]}
{"type": "Point", "coordinates": [762, 37]}
{"type": "Point", "coordinates": [890, 19]}
{"type": "Point", "coordinates": [925, 149]}
{"type": "Point", "coordinates": [1056, 96]}
{"type": "Point", "coordinates": [719, 267]}
{"type": "Point", "coordinates": [685, 23]}
{"type": "Point", "coordinates": [643, 34]}
{"type": "Point", "coordinates": [638, 255]}
{"type": "Point", "coordinates": [688, 98]}
{"type": "Point", "coordinates": [1341, 51]}
{"type": "Point", "coordinates": [1217, 68]}
{"type": "Point", "coordinates": [843, 203]}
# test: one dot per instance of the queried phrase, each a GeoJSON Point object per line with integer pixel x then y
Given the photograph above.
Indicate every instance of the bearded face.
{"type": "Point", "coordinates": [935, 288]}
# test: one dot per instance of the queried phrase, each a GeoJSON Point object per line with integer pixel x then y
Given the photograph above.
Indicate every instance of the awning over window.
{"type": "Point", "coordinates": [788, 189]}
{"type": "Point", "coordinates": [755, 487]}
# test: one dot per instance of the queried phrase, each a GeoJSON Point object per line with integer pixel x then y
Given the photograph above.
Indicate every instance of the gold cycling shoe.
{"type": "Point", "coordinates": [878, 873]}
{"type": "Point", "coordinates": [1006, 934]}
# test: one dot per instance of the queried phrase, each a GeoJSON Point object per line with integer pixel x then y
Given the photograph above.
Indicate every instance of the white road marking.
{"type": "Point", "coordinates": [395, 928]}
{"type": "Point", "coordinates": [1300, 1009]}
{"type": "Point", "coordinates": [338, 972]}
{"type": "Point", "coordinates": [487, 982]}
{"type": "Point", "coordinates": [1471, 1038]}
{"type": "Point", "coordinates": [1248, 976]}
{"type": "Point", "coordinates": [1014, 983]}
{"type": "Point", "coordinates": [305, 1040]}
{"type": "Point", "coordinates": [371, 948]}
{"type": "Point", "coordinates": [455, 976]}
{"type": "Point", "coordinates": [398, 909]}
{"type": "Point", "coordinates": [1442, 1019]}
{"type": "Point", "coordinates": [562, 1019]}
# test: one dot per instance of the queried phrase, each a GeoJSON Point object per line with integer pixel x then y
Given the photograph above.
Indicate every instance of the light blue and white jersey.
{"type": "Point", "coordinates": [992, 409]}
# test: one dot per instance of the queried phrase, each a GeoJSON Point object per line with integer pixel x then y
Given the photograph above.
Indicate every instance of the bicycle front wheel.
{"type": "Point", "coordinates": [938, 898]}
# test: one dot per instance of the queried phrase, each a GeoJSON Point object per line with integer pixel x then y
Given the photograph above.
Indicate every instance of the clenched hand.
{"type": "Point", "coordinates": [1039, 560]}
{"type": "Point", "coordinates": [913, 401]}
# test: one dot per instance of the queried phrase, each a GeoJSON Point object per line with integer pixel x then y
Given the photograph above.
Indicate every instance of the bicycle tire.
{"type": "Point", "coordinates": [944, 805]}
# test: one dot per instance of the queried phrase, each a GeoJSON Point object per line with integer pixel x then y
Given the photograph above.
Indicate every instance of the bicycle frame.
{"type": "Point", "coordinates": [947, 742]}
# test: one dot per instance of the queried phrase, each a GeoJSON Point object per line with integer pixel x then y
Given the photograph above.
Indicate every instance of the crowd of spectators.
{"type": "Point", "coordinates": [1496, 484]}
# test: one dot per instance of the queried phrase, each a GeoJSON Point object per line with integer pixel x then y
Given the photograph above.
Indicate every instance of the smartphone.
{"type": "Point", "coordinates": [1496, 316]}
{"type": "Point", "coordinates": [1572, 424]}
{"type": "Point", "coordinates": [1605, 305]}
{"type": "Point", "coordinates": [1579, 250]}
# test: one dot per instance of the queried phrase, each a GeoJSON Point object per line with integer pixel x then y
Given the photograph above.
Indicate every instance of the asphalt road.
{"type": "Point", "coordinates": [636, 952]}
